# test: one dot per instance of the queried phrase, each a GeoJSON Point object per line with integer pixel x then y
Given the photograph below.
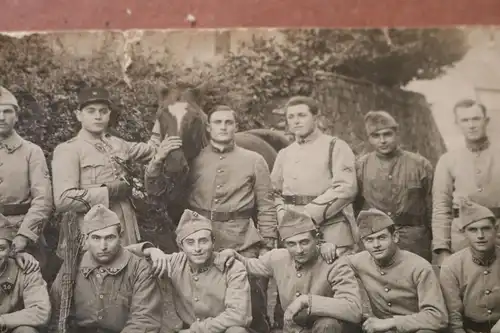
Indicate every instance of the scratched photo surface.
{"type": "Point", "coordinates": [156, 84]}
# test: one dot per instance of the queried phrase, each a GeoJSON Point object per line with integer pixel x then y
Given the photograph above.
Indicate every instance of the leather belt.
{"type": "Point", "coordinates": [14, 209]}
{"type": "Point", "coordinates": [494, 210]}
{"type": "Point", "coordinates": [476, 326]}
{"type": "Point", "coordinates": [299, 200]}
{"type": "Point", "coordinates": [225, 216]}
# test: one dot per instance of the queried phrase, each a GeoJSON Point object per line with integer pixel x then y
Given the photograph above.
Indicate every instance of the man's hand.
{"type": "Point", "coordinates": [295, 307]}
{"type": "Point", "coordinates": [19, 243]}
{"type": "Point", "coordinates": [226, 257]}
{"type": "Point", "coordinates": [496, 327]}
{"type": "Point", "coordinates": [27, 262]}
{"type": "Point", "coordinates": [168, 145]}
{"type": "Point", "coordinates": [328, 252]}
{"type": "Point", "coordinates": [375, 325]}
{"type": "Point", "coordinates": [118, 189]}
{"type": "Point", "coordinates": [441, 255]}
{"type": "Point", "coordinates": [159, 261]}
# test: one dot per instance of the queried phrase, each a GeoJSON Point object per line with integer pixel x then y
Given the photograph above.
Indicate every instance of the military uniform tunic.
{"type": "Point", "coordinates": [464, 172]}
{"type": "Point", "coordinates": [407, 289]}
{"type": "Point", "coordinates": [471, 290]}
{"type": "Point", "coordinates": [334, 289]}
{"type": "Point", "coordinates": [24, 298]}
{"type": "Point", "coordinates": [83, 164]}
{"type": "Point", "coordinates": [401, 187]}
{"type": "Point", "coordinates": [122, 296]}
{"type": "Point", "coordinates": [25, 181]}
{"type": "Point", "coordinates": [233, 180]}
{"type": "Point", "coordinates": [304, 170]}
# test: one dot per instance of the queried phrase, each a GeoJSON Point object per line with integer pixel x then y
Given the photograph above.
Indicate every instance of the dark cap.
{"type": "Point", "coordinates": [93, 95]}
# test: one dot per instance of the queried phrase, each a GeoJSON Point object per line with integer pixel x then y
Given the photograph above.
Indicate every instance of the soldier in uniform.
{"type": "Point", "coordinates": [230, 185]}
{"type": "Point", "coordinates": [470, 277]}
{"type": "Point", "coordinates": [114, 290]}
{"type": "Point", "coordinates": [208, 295]}
{"type": "Point", "coordinates": [25, 188]}
{"type": "Point", "coordinates": [318, 295]}
{"type": "Point", "coordinates": [88, 169]}
{"type": "Point", "coordinates": [316, 174]}
{"type": "Point", "coordinates": [472, 171]}
{"type": "Point", "coordinates": [396, 182]}
{"type": "Point", "coordinates": [402, 288]}
{"type": "Point", "coordinates": [24, 304]}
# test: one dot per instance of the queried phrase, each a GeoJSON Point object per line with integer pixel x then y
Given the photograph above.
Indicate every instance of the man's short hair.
{"type": "Point", "coordinates": [221, 107]}
{"type": "Point", "coordinates": [469, 103]}
{"type": "Point", "coordinates": [311, 103]}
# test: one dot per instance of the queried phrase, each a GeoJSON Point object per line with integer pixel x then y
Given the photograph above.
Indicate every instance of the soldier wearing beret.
{"type": "Point", "coordinates": [396, 182]}
{"type": "Point", "coordinates": [402, 288]}
{"type": "Point", "coordinates": [231, 186]}
{"type": "Point", "coordinates": [469, 172]}
{"type": "Point", "coordinates": [470, 278]}
{"type": "Point", "coordinates": [209, 296]}
{"type": "Point", "coordinates": [24, 302]}
{"type": "Point", "coordinates": [25, 187]}
{"type": "Point", "coordinates": [89, 168]}
{"type": "Point", "coordinates": [319, 295]}
{"type": "Point", "coordinates": [114, 290]}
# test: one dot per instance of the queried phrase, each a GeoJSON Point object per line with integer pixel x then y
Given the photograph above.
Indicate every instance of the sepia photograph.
{"type": "Point", "coordinates": [250, 180]}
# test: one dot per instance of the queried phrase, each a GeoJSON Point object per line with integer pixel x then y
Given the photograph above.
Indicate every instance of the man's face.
{"type": "Point", "coordinates": [382, 245]}
{"type": "Point", "coordinates": [481, 235]}
{"type": "Point", "coordinates": [104, 244]}
{"type": "Point", "coordinates": [8, 119]}
{"type": "Point", "coordinates": [302, 247]}
{"type": "Point", "coordinates": [198, 247]}
{"type": "Point", "coordinates": [94, 117]}
{"type": "Point", "coordinates": [300, 120]}
{"type": "Point", "coordinates": [472, 122]}
{"type": "Point", "coordinates": [384, 141]}
{"type": "Point", "coordinates": [222, 126]}
{"type": "Point", "coordinates": [4, 251]}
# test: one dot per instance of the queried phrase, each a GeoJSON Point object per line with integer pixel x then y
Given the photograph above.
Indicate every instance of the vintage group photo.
{"type": "Point", "coordinates": [250, 181]}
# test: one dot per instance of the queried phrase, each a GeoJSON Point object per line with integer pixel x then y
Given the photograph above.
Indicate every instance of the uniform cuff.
{"type": "Point", "coordinates": [28, 234]}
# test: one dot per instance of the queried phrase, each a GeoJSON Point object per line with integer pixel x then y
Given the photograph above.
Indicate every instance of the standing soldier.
{"type": "Point", "coordinates": [229, 185]}
{"type": "Point", "coordinates": [88, 169]}
{"type": "Point", "coordinates": [316, 173]}
{"type": "Point", "coordinates": [470, 277]}
{"type": "Point", "coordinates": [25, 188]}
{"type": "Point", "coordinates": [114, 290]}
{"type": "Point", "coordinates": [472, 171]}
{"type": "Point", "coordinates": [396, 182]}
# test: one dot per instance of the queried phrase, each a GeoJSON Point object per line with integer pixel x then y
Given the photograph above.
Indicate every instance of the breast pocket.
{"type": "Point", "coordinates": [91, 168]}
{"type": "Point", "coordinates": [415, 198]}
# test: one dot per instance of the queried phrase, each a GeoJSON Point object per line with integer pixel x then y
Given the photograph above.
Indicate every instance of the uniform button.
{"type": "Point", "coordinates": [389, 213]}
{"type": "Point", "coordinates": [489, 311]}
{"type": "Point", "coordinates": [390, 176]}
{"type": "Point", "coordinates": [382, 273]}
{"type": "Point", "coordinates": [299, 275]}
{"type": "Point", "coordinates": [216, 200]}
{"type": "Point", "coordinates": [487, 292]}
{"type": "Point", "coordinates": [101, 270]}
{"type": "Point", "coordinates": [198, 319]}
{"type": "Point", "coordinates": [486, 272]}
{"type": "Point", "coordinates": [386, 289]}
{"type": "Point", "coordinates": [98, 275]}
{"type": "Point", "coordinates": [480, 190]}
{"type": "Point", "coordinates": [219, 171]}
{"type": "Point", "coordinates": [297, 294]}
{"type": "Point", "coordinates": [221, 157]}
{"type": "Point", "coordinates": [100, 317]}
{"type": "Point", "coordinates": [219, 186]}
{"type": "Point", "coordinates": [195, 278]}
{"type": "Point", "coordinates": [389, 304]}
{"type": "Point", "coordinates": [196, 299]}
{"type": "Point", "coordinates": [101, 296]}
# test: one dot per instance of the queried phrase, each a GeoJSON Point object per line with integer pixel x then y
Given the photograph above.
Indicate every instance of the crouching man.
{"type": "Point", "coordinates": [402, 288]}
{"type": "Point", "coordinates": [470, 277]}
{"type": "Point", "coordinates": [114, 290]}
{"type": "Point", "coordinates": [209, 296]}
{"type": "Point", "coordinates": [24, 301]}
{"type": "Point", "coordinates": [319, 295]}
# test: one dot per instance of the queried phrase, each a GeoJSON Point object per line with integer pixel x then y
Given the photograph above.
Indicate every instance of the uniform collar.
{"type": "Point", "coordinates": [484, 259]}
{"type": "Point", "coordinates": [479, 145]}
{"type": "Point", "coordinates": [84, 135]}
{"type": "Point", "coordinates": [13, 142]}
{"type": "Point", "coordinates": [221, 150]}
{"type": "Point", "coordinates": [395, 153]}
{"type": "Point", "coordinates": [89, 264]}
{"type": "Point", "coordinates": [310, 263]}
{"type": "Point", "coordinates": [391, 261]}
{"type": "Point", "coordinates": [310, 138]}
{"type": "Point", "coordinates": [9, 276]}
{"type": "Point", "coordinates": [215, 261]}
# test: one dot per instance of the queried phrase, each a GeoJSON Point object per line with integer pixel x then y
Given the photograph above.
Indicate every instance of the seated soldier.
{"type": "Point", "coordinates": [24, 304]}
{"type": "Point", "coordinates": [319, 295]}
{"type": "Point", "coordinates": [402, 288]}
{"type": "Point", "coordinates": [210, 297]}
{"type": "Point", "coordinates": [470, 278]}
{"type": "Point", "coordinates": [114, 290]}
